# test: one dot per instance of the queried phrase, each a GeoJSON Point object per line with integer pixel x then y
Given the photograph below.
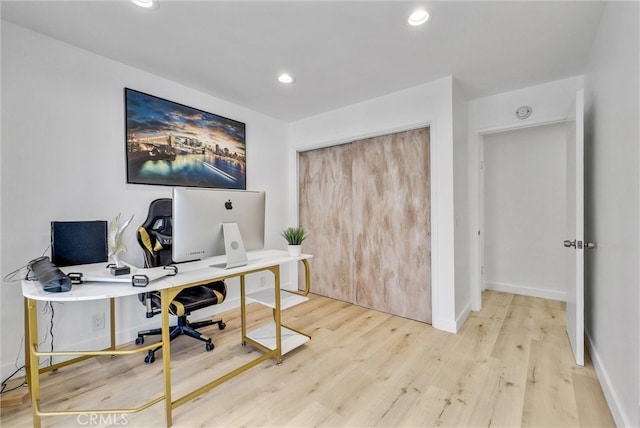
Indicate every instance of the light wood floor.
{"type": "Point", "coordinates": [510, 365]}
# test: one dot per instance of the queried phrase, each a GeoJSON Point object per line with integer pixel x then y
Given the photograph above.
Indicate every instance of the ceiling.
{"type": "Point", "coordinates": [340, 52]}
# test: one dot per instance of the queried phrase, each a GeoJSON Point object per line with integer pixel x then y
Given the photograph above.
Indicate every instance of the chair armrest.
{"type": "Point", "coordinates": [146, 300]}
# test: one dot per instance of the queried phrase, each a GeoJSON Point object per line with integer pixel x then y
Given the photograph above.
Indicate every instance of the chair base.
{"type": "Point", "coordinates": [184, 327]}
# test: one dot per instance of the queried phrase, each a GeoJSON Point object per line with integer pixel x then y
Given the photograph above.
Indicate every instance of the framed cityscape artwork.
{"type": "Point", "coordinates": [171, 144]}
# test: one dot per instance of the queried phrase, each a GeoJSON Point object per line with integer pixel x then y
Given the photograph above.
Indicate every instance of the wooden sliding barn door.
{"type": "Point", "coordinates": [367, 207]}
{"type": "Point", "coordinates": [391, 239]}
{"type": "Point", "coordinates": [325, 212]}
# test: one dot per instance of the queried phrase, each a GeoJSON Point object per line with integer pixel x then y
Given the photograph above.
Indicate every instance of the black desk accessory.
{"type": "Point", "coordinates": [121, 270]}
{"type": "Point", "coordinates": [137, 279]}
{"type": "Point", "coordinates": [52, 279]}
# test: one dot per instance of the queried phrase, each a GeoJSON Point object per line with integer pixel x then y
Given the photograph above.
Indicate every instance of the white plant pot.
{"type": "Point", "coordinates": [294, 250]}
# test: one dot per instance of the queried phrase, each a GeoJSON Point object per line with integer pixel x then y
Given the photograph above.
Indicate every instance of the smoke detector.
{"type": "Point", "coordinates": [523, 112]}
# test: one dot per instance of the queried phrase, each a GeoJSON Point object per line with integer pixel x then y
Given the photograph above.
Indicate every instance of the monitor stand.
{"type": "Point", "coordinates": [233, 247]}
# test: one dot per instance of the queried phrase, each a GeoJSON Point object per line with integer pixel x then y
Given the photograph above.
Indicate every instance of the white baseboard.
{"type": "Point", "coordinates": [619, 416]}
{"type": "Point", "coordinates": [462, 317]}
{"type": "Point", "coordinates": [448, 326]}
{"type": "Point", "coordinates": [527, 291]}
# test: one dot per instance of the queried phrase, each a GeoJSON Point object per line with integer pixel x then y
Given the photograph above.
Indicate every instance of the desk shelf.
{"type": "Point", "coordinates": [266, 336]}
{"type": "Point", "coordinates": [267, 298]}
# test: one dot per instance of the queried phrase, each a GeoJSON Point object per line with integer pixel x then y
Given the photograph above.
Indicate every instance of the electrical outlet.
{"type": "Point", "coordinates": [98, 321]}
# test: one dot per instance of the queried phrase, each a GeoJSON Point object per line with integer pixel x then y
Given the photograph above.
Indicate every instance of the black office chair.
{"type": "Point", "coordinates": [155, 238]}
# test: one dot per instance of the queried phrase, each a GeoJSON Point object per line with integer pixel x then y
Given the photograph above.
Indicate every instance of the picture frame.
{"type": "Point", "coordinates": [171, 144]}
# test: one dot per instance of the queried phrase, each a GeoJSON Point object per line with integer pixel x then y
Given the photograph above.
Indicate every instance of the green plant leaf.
{"type": "Point", "coordinates": [294, 235]}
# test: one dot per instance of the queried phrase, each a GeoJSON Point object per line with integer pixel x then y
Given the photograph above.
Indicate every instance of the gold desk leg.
{"type": "Point", "coordinates": [307, 277]}
{"type": "Point", "coordinates": [243, 311]}
{"type": "Point", "coordinates": [27, 342]}
{"type": "Point", "coordinates": [31, 338]}
{"type": "Point", "coordinates": [166, 355]}
{"type": "Point", "coordinates": [112, 309]}
{"type": "Point", "coordinates": [307, 280]}
{"type": "Point", "coordinates": [277, 317]}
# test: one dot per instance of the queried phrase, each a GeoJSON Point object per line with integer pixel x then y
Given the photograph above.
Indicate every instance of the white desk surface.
{"type": "Point", "coordinates": [187, 273]}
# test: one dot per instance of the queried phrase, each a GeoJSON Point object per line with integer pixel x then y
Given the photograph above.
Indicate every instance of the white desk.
{"type": "Point", "coordinates": [274, 340]}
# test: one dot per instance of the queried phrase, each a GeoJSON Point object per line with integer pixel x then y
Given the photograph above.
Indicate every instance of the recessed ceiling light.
{"type": "Point", "coordinates": [418, 17]}
{"type": "Point", "coordinates": [285, 78]}
{"type": "Point", "coordinates": [147, 4]}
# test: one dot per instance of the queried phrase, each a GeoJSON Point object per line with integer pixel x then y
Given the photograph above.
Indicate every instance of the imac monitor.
{"type": "Point", "coordinates": [199, 215]}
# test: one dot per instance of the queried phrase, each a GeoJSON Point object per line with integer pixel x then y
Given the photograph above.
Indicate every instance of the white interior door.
{"type": "Point", "coordinates": [575, 228]}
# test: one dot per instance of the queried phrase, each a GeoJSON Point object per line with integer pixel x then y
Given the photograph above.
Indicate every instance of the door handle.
{"type": "Point", "coordinates": [589, 245]}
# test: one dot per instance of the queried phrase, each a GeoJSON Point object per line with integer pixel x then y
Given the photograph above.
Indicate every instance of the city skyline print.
{"type": "Point", "coordinates": [170, 144]}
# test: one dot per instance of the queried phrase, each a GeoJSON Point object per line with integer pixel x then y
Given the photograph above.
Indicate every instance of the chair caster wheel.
{"type": "Point", "coordinates": [208, 346]}
{"type": "Point", "coordinates": [221, 325]}
{"type": "Point", "coordinates": [139, 340]}
{"type": "Point", "coordinates": [149, 358]}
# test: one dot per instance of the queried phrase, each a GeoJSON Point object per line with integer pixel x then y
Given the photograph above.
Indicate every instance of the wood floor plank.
{"type": "Point", "coordinates": [508, 388]}
{"type": "Point", "coordinates": [549, 396]}
{"type": "Point", "coordinates": [519, 328]}
{"type": "Point", "coordinates": [510, 365]}
{"type": "Point", "coordinates": [592, 408]}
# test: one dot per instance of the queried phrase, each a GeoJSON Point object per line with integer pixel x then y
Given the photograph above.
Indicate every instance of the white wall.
{"type": "Point", "coordinates": [612, 208]}
{"type": "Point", "coordinates": [63, 158]}
{"type": "Point", "coordinates": [550, 103]}
{"type": "Point", "coordinates": [428, 104]}
{"type": "Point", "coordinates": [461, 203]}
{"type": "Point", "coordinates": [525, 211]}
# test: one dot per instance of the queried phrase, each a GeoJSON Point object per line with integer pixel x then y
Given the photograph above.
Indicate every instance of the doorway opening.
{"type": "Point", "coordinates": [522, 211]}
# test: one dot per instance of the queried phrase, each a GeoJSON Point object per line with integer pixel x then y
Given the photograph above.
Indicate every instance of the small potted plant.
{"type": "Point", "coordinates": [294, 237]}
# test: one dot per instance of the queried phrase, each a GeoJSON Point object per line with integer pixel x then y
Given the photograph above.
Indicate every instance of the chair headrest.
{"type": "Point", "coordinates": [159, 208]}
{"type": "Point", "coordinates": [155, 234]}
